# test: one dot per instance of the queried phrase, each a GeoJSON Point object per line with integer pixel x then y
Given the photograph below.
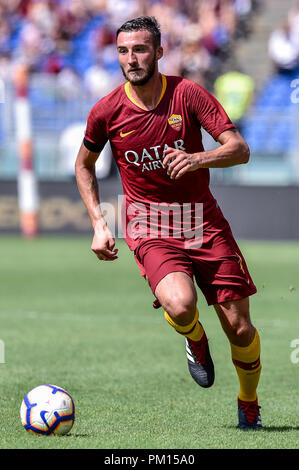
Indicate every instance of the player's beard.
{"type": "Point", "coordinates": [141, 76]}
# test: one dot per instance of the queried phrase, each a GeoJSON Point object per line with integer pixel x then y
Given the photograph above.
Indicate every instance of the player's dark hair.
{"type": "Point", "coordinates": [143, 23]}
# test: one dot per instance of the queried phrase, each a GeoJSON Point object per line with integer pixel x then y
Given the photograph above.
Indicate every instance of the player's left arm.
{"type": "Point", "coordinates": [232, 151]}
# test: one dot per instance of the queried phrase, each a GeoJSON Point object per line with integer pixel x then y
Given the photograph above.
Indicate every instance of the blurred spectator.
{"type": "Point", "coordinates": [5, 67]}
{"type": "Point", "coordinates": [68, 84]}
{"type": "Point", "coordinates": [195, 59]}
{"type": "Point", "coordinates": [244, 10]}
{"type": "Point", "coordinates": [217, 22]}
{"type": "Point", "coordinates": [120, 10]}
{"type": "Point", "coordinates": [235, 91]}
{"type": "Point", "coordinates": [4, 36]}
{"type": "Point", "coordinates": [97, 81]}
{"type": "Point", "coordinates": [283, 50]}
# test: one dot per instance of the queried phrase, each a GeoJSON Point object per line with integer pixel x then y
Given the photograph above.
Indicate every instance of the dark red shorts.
{"type": "Point", "coordinates": [218, 266]}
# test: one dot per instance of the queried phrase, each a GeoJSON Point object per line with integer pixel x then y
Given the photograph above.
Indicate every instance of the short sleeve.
{"type": "Point", "coordinates": [95, 136]}
{"type": "Point", "coordinates": [208, 112]}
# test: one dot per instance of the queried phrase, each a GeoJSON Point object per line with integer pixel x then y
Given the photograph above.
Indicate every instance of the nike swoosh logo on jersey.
{"type": "Point", "coordinates": [124, 134]}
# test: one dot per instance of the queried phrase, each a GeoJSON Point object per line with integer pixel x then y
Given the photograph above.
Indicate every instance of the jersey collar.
{"type": "Point", "coordinates": [128, 93]}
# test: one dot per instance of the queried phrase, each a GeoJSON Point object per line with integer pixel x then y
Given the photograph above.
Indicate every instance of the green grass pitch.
{"type": "Point", "coordinates": [89, 327]}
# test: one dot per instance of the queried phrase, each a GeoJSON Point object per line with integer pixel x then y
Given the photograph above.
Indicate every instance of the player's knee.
{"type": "Point", "coordinates": [180, 308]}
{"type": "Point", "coordinates": [242, 333]}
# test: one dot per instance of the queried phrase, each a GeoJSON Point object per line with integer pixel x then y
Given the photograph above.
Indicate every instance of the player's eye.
{"type": "Point", "coordinates": [122, 51]}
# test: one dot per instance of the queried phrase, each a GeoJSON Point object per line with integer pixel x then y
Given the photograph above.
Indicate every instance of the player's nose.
{"type": "Point", "coordinates": [132, 58]}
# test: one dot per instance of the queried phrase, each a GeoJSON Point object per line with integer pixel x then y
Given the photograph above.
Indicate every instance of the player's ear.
{"type": "Point", "coordinates": [159, 53]}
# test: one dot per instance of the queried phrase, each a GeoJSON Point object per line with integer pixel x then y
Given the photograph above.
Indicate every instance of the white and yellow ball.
{"type": "Point", "coordinates": [48, 409]}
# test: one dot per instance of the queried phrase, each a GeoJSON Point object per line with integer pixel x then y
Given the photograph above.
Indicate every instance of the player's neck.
{"type": "Point", "coordinates": [148, 95]}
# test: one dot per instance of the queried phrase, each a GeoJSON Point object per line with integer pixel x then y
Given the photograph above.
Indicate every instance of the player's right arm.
{"type": "Point", "coordinates": [103, 241]}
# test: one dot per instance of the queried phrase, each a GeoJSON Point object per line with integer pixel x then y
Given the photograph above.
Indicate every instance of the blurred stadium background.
{"type": "Point", "coordinates": [246, 52]}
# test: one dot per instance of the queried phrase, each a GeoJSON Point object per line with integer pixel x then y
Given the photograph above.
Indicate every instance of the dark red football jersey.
{"type": "Point", "coordinates": [139, 137]}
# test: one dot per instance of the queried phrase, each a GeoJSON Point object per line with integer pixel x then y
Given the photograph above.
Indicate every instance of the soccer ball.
{"type": "Point", "coordinates": [48, 409]}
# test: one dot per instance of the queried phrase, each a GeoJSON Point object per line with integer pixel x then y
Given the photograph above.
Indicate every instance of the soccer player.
{"type": "Point", "coordinates": [153, 123]}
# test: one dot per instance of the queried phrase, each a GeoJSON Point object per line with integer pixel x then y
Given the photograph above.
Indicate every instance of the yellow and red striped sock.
{"type": "Point", "coordinates": [248, 366]}
{"type": "Point", "coordinates": [193, 330]}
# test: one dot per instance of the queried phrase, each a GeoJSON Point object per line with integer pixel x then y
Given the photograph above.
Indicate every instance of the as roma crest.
{"type": "Point", "coordinates": [175, 121]}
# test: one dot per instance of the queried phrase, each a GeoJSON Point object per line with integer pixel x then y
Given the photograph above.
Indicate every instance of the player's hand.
{"type": "Point", "coordinates": [179, 162]}
{"type": "Point", "coordinates": [103, 243]}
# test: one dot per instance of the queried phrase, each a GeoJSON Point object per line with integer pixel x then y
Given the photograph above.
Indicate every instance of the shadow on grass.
{"type": "Point", "coordinates": [280, 428]}
{"type": "Point", "coordinates": [269, 428]}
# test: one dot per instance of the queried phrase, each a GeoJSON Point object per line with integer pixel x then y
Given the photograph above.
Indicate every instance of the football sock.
{"type": "Point", "coordinates": [194, 330]}
{"type": "Point", "coordinates": [248, 366]}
